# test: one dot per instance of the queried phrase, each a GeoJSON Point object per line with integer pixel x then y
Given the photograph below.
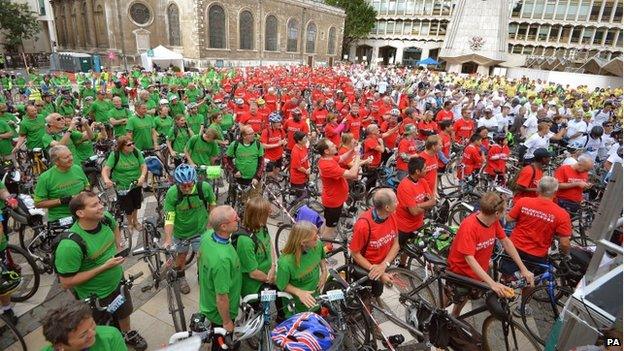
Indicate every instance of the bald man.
{"type": "Point", "coordinates": [573, 180]}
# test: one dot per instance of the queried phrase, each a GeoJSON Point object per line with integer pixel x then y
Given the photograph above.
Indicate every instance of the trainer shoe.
{"type": "Point", "coordinates": [135, 340]}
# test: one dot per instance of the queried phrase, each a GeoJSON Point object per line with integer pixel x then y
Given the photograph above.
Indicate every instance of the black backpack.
{"type": "Point", "coordinates": [116, 158]}
{"type": "Point", "coordinates": [244, 232]}
{"type": "Point", "coordinates": [200, 194]}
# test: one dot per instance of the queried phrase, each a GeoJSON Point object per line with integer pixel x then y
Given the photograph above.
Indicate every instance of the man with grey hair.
{"type": "Point", "coordinates": [538, 220]}
{"type": "Point", "coordinates": [573, 180]}
{"type": "Point", "coordinates": [220, 278]}
{"type": "Point", "coordinates": [56, 186]}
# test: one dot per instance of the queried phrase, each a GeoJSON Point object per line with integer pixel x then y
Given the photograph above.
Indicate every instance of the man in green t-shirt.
{"type": "Point", "coordinates": [186, 214]}
{"type": "Point", "coordinates": [58, 134]}
{"type": "Point", "coordinates": [9, 118]}
{"type": "Point", "coordinates": [194, 119]}
{"type": "Point", "coordinates": [245, 158]}
{"type": "Point", "coordinates": [141, 128]}
{"type": "Point", "coordinates": [57, 185]}
{"type": "Point", "coordinates": [71, 327]}
{"type": "Point", "coordinates": [118, 117]}
{"type": "Point", "coordinates": [6, 140]}
{"type": "Point", "coordinates": [31, 130]}
{"type": "Point", "coordinates": [219, 271]}
{"type": "Point", "coordinates": [100, 107]}
{"type": "Point", "coordinates": [178, 136]}
{"type": "Point", "coordinates": [87, 262]}
{"type": "Point", "coordinates": [202, 150]}
{"type": "Point", "coordinates": [87, 90]}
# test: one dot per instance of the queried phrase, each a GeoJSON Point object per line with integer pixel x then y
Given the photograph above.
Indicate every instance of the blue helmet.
{"type": "Point", "coordinates": [275, 117]}
{"type": "Point", "coordinates": [305, 331]}
{"type": "Point", "coordinates": [185, 173]}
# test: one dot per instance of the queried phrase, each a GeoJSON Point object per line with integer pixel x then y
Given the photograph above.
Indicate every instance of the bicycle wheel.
{"type": "Point", "coordinates": [10, 337]}
{"type": "Point", "coordinates": [281, 237]}
{"type": "Point", "coordinates": [18, 260]}
{"type": "Point", "coordinates": [176, 308]}
{"type": "Point", "coordinates": [517, 338]}
{"type": "Point", "coordinates": [266, 343]}
{"type": "Point", "coordinates": [273, 191]}
{"type": "Point", "coordinates": [457, 214]}
{"type": "Point", "coordinates": [540, 308]}
{"type": "Point", "coordinates": [28, 233]}
{"type": "Point", "coordinates": [126, 236]}
{"type": "Point", "coordinates": [154, 260]}
{"type": "Point", "coordinates": [358, 332]}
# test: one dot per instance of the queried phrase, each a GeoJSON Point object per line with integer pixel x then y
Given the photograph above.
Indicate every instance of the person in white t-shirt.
{"type": "Point", "coordinates": [541, 139]}
{"type": "Point", "coordinates": [488, 121]}
{"type": "Point", "coordinates": [592, 142]}
{"type": "Point", "coordinates": [576, 127]}
{"type": "Point", "coordinates": [601, 116]}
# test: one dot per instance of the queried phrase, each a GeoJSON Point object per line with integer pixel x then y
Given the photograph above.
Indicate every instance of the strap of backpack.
{"type": "Point", "coordinates": [75, 237]}
{"type": "Point", "coordinates": [115, 161]}
{"type": "Point", "coordinates": [533, 174]}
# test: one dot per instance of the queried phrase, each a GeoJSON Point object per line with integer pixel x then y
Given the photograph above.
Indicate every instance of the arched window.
{"type": "Point", "coordinates": [331, 41]}
{"type": "Point", "coordinates": [216, 27]}
{"type": "Point", "coordinates": [270, 34]}
{"type": "Point", "coordinates": [246, 31]}
{"type": "Point", "coordinates": [310, 38]}
{"type": "Point", "coordinates": [293, 35]}
{"type": "Point", "coordinates": [85, 26]}
{"type": "Point", "coordinates": [173, 17]}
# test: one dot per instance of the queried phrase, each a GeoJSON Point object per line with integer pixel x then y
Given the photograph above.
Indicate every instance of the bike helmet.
{"type": "Point", "coordinates": [596, 132]}
{"type": "Point", "coordinates": [395, 112]}
{"type": "Point", "coordinates": [185, 173]}
{"type": "Point", "coordinates": [275, 117]}
{"type": "Point", "coordinates": [304, 332]}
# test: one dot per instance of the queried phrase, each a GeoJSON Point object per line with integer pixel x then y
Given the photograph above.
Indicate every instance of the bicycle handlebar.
{"type": "Point", "coordinates": [94, 301]}
{"type": "Point", "coordinates": [254, 297]}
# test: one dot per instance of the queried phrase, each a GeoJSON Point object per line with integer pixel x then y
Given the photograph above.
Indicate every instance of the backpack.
{"type": "Point", "coordinates": [512, 184]}
{"type": "Point", "coordinates": [244, 232]}
{"type": "Point", "coordinates": [116, 158]}
{"type": "Point", "coordinates": [77, 239]}
{"type": "Point", "coordinates": [200, 193]}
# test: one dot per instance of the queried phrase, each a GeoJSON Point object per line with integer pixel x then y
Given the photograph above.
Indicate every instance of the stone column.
{"type": "Point", "coordinates": [91, 25]}
{"type": "Point", "coordinates": [71, 33]}
{"type": "Point", "coordinates": [375, 55]}
{"type": "Point", "coordinates": [398, 57]}
{"type": "Point", "coordinates": [424, 53]}
{"type": "Point", "coordinates": [352, 52]}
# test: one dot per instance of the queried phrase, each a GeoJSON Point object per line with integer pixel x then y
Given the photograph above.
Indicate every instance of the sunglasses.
{"type": "Point", "coordinates": [129, 144]}
{"type": "Point", "coordinates": [60, 119]}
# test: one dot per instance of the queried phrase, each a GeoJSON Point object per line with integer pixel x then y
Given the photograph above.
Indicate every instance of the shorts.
{"type": "Point", "coordinates": [459, 293]}
{"type": "Point", "coordinates": [570, 206]}
{"type": "Point", "coordinates": [332, 216]}
{"type": "Point", "coordinates": [124, 311]}
{"type": "Point", "coordinates": [508, 267]}
{"type": "Point", "coordinates": [271, 165]}
{"type": "Point", "coordinates": [376, 285]}
{"type": "Point", "coordinates": [131, 201]}
{"type": "Point", "coordinates": [183, 245]}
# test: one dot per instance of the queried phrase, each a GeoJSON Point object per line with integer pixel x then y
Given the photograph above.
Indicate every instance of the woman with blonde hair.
{"type": "Point", "coordinates": [302, 269]}
{"type": "Point", "coordinates": [254, 247]}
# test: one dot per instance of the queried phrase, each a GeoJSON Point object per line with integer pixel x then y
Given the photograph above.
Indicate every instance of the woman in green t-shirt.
{"type": "Point", "coordinates": [254, 247]}
{"type": "Point", "coordinates": [215, 123]}
{"type": "Point", "coordinates": [126, 170]}
{"type": "Point", "coordinates": [302, 269]}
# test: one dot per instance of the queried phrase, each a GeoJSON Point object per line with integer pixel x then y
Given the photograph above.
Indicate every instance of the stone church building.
{"type": "Point", "coordinates": [216, 32]}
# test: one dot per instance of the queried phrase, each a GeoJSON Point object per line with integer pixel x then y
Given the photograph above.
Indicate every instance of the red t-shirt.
{"type": "Point", "coordinates": [444, 115]}
{"type": "Point", "coordinates": [273, 136]}
{"type": "Point", "coordinates": [319, 116]}
{"type": "Point", "coordinates": [431, 167]}
{"type": "Point", "coordinates": [291, 127]}
{"type": "Point", "coordinates": [446, 146]}
{"type": "Point", "coordinates": [255, 121]}
{"type": "Point", "coordinates": [346, 164]}
{"type": "Point", "coordinates": [567, 174]}
{"type": "Point", "coordinates": [406, 146]}
{"type": "Point", "coordinates": [271, 102]}
{"type": "Point", "coordinates": [463, 129]}
{"type": "Point", "coordinates": [426, 128]}
{"type": "Point", "coordinates": [471, 160]}
{"type": "Point", "coordinates": [379, 236]}
{"type": "Point", "coordinates": [354, 125]}
{"type": "Point", "coordinates": [499, 165]}
{"type": "Point", "coordinates": [332, 133]}
{"type": "Point", "coordinates": [298, 159]}
{"type": "Point", "coordinates": [370, 143]}
{"type": "Point", "coordinates": [537, 221]}
{"type": "Point", "coordinates": [335, 187]}
{"type": "Point", "coordinates": [409, 194]}
{"type": "Point", "coordinates": [391, 140]}
{"type": "Point", "coordinates": [528, 179]}
{"type": "Point", "coordinates": [473, 238]}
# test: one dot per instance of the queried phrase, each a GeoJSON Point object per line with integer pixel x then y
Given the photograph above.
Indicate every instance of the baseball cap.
{"type": "Point", "coordinates": [541, 153]}
{"type": "Point", "coordinates": [163, 101]}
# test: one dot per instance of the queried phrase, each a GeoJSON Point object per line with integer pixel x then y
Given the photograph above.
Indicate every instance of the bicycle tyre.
{"type": "Point", "coordinates": [27, 233]}
{"type": "Point", "coordinates": [176, 307]}
{"type": "Point", "coordinates": [523, 340]}
{"type": "Point", "coordinates": [273, 191]}
{"type": "Point", "coordinates": [26, 260]}
{"type": "Point", "coordinates": [281, 237]}
{"type": "Point", "coordinates": [155, 260]}
{"type": "Point", "coordinates": [458, 213]}
{"type": "Point", "coordinates": [543, 316]}
{"type": "Point", "coordinates": [126, 236]}
{"type": "Point", "coordinates": [358, 333]}
{"type": "Point", "coordinates": [16, 337]}
{"type": "Point", "coordinates": [266, 343]}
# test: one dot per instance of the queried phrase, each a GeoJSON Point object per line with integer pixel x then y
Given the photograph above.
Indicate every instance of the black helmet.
{"type": "Point", "coordinates": [499, 136]}
{"type": "Point", "coordinates": [596, 132]}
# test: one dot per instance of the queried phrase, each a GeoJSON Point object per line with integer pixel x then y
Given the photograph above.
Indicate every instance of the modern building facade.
{"type": "Point", "coordinates": [548, 34]}
{"type": "Point", "coordinates": [244, 32]}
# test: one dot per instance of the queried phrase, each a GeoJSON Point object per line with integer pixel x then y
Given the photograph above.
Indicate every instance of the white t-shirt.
{"type": "Point", "coordinates": [531, 125]}
{"type": "Point", "coordinates": [535, 142]}
{"type": "Point", "coordinates": [504, 121]}
{"type": "Point", "coordinates": [490, 124]}
{"type": "Point", "coordinates": [598, 118]}
{"type": "Point", "coordinates": [592, 146]}
{"type": "Point", "coordinates": [576, 127]}
{"type": "Point", "coordinates": [569, 161]}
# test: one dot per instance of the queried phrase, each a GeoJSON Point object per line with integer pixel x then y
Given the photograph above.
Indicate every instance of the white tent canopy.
{"type": "Point", "coordinates": [163, 57]}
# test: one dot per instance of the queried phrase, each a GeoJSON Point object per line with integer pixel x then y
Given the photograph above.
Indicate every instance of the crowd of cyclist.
{"type": "Point", "coordinates": [345, 123]}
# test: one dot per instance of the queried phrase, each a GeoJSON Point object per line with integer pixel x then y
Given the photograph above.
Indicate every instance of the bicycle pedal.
{"type": "Point", "coordinates": [395, 340]}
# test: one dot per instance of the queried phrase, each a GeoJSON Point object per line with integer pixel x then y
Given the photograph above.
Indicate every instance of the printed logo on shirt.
{"type": "Point", "coordinates": [485, 244]}
{"type": "Point", "coordinates": [538, 214]}
{"type": "Point", "coordinates": [384, 240]}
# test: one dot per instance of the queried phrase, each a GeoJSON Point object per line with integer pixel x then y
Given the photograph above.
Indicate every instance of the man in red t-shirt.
{"type": "Point", "coordinates": [252, 118]}
{"type": "Point", "coordinates": [446, 130]}
{"type": "Point", "coordinates": [496, 158]}
{"type": "Point", "coordinates": [299, 163]}
{"type": "Point", "coordinates": [538, 220]}
{"type": "Point", "coordinates": [445, 114]}
{"type": "Point", "coordinates": [530, 175]}
{"type": "Point", "coordinates": [430, 154]}
{"type": "Point", "coordinates": [273, 140]}
{"type": "Point", "coordinates": [472, 248]}
{"type": "Point", "coordinates": [572, 181]}
{"type": "Point", "coordinates": [354, 122]}
{"type": "Point", "coordinates": [375, 241]}
{"type": "Point", "coordinates": [472, 158]}
{"type": "Point", "coordinates": [415, 196]}
{"type": "Point", "coordinates": [295, 123]}
{"type": "Point", "coordinates": [464, 127]}
{"type": "Point", "coordinates": [373, 148]}
{"type": "Point", "coordinates": [334, 179]}
{"type": "Point", "coordinates": [406, 150]}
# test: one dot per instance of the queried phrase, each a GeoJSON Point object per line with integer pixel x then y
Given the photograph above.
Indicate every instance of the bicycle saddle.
{"type": "Point", "coordinates": [434, 259]}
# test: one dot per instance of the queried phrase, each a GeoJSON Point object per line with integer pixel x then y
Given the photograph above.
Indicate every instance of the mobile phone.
{"type": "Point", "coordinates": [123, 253]}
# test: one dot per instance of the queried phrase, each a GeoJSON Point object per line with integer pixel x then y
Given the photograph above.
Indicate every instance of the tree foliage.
{"type": "Point", "coordinates": [360, 19]}
{"type": "Point", "coordinates": [17, 23]}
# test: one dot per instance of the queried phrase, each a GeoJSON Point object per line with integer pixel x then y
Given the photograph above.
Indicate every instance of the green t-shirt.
{"type": "Point", "coordinates": [84, 92]}
{"type": "Point", "coordinates": [106, 339]}
{"type": "Point", "coordinates": [141, 128]}
{"type": "Point", "coordinates": [66, 110]}
{"type": "Point", "coordinates": [11, 120]}
{"type": "Point", "coordinates": [219, 273]}
{"type": "Point", "coordinates": [227, 121]}
{"type": "Point", "coordinates": [47, 109]}
{"type": "Point", "coordinates": [305, 276]}
{"type": "Point", "coordinates": [121, 93]}
{"type": "Point", "coordinates": [100, 109]}
{"type": "Point", "coordinates": [6, 145]}
{"type": "Point", "coordinates": [163, 125]}
{"type": "Point", "coordinates": [193, 95]}
{"type": "Point", "coordinates": [191, 214]}
{"type": "Point", "coordinates": [195, 122]}
{"type": "Point", "coordinates": [54, 184]}
{"type": "Point", "coordinates": [34, 130]}
{"type": "Point", "coordinates": [217, 129]}
{"type": "Point", "coordinates": [84, 150]}
{"type": "Point", "coordinates": [100, 245]}
{"type": "Point", "coordinates": [116, 114]}
{"type": "Point", "coordinates": [246, 158]}
{"type": "Point", "coordinates": [202, 151]}
{"type": "Point", "coordinates": [178, 138]}
{"type": "Point", "coordinates": [74, 138]}
{"type": "Point", "coordinates": [127, 170]}
{"type": "Point", "coordinates": [252, 259]}
{"type": "Point", "coordinates": [176, 109]}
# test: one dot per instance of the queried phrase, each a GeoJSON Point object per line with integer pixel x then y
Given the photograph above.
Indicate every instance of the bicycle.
{"type": "Point", "coordinates": [16, 259]}
{"type": "Point", "coordinates": [165, 271]}
{"type": "Point", "coordinates": [201, 332]}
{"type": "Point", "coordinates": [40, 242]}
{"type": "Point", "coordinates": [94, 301]}
{"type": "Point", "coordinates": [289, 202]}
{"type": "Point", "coordinates": [122, 219]}
{"type": "Point", "coordinates": [265, 297]}
{"type": "Point", "coordinates": [10, 337]}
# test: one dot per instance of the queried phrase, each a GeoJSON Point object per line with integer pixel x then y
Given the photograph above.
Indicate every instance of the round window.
{"type": "Point", "coordinates": [140, 13]}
